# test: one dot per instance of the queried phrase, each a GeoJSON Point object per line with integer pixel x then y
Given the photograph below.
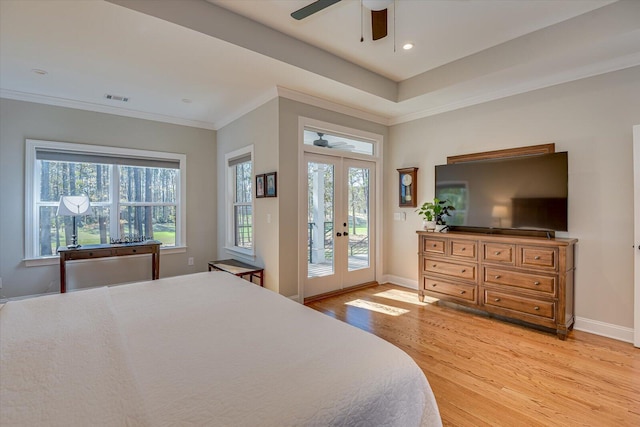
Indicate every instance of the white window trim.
{"type": "Point", "coordinates": [31, 178]}
{"type": "Point", "coordinates": [305, 123]}
{"type": "Point", "coordinates": [230, 244]}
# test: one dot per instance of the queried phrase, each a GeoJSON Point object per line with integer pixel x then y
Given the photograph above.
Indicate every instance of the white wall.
{"type": "Point", "coordinates": [23, 120]}
{"type": "Point", "coordinates": [260, 128]}
{"type": "Point", "coordinates": [592, 119]}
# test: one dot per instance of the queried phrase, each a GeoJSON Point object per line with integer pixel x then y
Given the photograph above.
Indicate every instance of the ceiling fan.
{"type": "Point", "coordinates": [340, 145]}
{"type": "Point", "coordinates": [378, 10]}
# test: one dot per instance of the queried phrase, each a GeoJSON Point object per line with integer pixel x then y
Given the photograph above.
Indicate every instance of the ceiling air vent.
{"type": "Point", "coordinates": [116, 97]}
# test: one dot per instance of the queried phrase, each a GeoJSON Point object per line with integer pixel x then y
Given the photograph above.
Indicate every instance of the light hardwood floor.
{"type": "Point", "coordinates": [487, 372]}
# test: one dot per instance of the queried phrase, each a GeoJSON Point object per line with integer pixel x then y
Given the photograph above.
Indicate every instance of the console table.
{"type": "Point", "coordinates": [103, 251]}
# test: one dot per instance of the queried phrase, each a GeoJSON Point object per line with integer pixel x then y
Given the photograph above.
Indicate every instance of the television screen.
{"type": "Point", "coordinates": [528, 192]}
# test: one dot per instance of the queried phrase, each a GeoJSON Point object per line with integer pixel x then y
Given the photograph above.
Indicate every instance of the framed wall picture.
{"type": "Point", "coordinates": [259, 186]}
{"type": "Point", "coordinates": [408, 189]}
{"type": "Point", "coordinates": [271, 184]}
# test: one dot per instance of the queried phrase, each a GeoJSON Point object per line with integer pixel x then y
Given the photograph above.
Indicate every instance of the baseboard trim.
{"type": "Point", "coordinates": [608, 330]}
{"type": "Point", "coordinates": [583, 324]}
{"type": "Point", "coordinates": [400, 281]}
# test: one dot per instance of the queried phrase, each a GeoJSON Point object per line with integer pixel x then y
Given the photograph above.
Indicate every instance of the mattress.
{"type": "Point", "coordinates": [201, 349]}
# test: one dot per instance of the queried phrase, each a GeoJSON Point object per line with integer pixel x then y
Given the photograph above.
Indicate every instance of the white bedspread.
{"type": "Point", "coordinates": [202, 349]}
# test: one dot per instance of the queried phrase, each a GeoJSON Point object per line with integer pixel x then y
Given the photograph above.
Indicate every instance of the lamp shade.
{"type": "Point", "coordinates": [74, 206]}
{"type": "Point", "coordinates": [499, 211]}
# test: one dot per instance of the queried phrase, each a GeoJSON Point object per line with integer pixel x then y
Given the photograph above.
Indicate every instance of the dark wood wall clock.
{"type": "Point", "coordinates": [408, 187]}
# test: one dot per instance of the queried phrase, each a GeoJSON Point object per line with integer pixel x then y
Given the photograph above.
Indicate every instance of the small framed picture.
{"type": "Point", "coordinates": [271, 184]}
{"type": "Point", "coordinates": [259, 186]}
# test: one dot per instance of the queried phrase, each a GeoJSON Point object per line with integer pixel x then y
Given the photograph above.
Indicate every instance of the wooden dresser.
{"type": "Point", "coordinates": [529, 279]}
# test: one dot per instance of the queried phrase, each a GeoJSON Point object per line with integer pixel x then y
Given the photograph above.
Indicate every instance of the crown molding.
{"type": "Point", "coordinates": [88, 106]}
{"type": "Point", "coordinates": [252, 105]}
{"type": "Point", "coordinates": [591, 70]}
{"type": "Point", "coordinates": [331, 106]}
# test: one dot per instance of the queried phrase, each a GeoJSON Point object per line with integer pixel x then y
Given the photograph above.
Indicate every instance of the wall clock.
{"type": "Point", "coordinates": [408, 187]}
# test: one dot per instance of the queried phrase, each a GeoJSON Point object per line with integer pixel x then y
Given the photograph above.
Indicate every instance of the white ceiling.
{"type": "Point", "coordinates": [163, 52]}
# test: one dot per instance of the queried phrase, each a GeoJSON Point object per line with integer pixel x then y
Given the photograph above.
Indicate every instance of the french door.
{"type": "Point", "coordinates": [340, 226]}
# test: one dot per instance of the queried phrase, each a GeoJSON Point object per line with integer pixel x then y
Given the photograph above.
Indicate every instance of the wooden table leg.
{"type": "Point", "coordinates": [63, 275]}
{"type": "Point", "coordinates": [155, 265]}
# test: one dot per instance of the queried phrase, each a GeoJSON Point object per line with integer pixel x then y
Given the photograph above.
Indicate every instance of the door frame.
{"type": "Point", "coordinates": [636, 241]}
{"type": "Point", "coordinates": [377, 140]}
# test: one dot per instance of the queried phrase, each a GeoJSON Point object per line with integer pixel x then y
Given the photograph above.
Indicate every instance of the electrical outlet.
{"type": "Point", "coordinates": [190, 260]}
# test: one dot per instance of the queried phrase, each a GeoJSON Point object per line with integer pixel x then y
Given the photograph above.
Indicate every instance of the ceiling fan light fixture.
{"type": "Point", "coordinates": [377, 4]}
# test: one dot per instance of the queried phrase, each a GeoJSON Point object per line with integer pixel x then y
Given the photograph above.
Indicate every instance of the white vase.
{"type": "Point", "coordinates": [429, 225]}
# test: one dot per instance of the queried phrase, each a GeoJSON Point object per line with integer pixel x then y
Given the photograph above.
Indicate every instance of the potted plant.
{"type": "Point", "coordinates": [433, 213]}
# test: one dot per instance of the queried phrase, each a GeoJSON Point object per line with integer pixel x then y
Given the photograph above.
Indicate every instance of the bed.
{"type": "Point", "coordinates": [201, 349]}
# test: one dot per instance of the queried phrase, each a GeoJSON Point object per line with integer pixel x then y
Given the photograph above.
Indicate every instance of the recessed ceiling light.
{"type": "Point", "coordinates": [407, 46]}
{"type": "Point", "coordinates": [186, 100]}
{"type": "Point", "coordinates": [39, 71]}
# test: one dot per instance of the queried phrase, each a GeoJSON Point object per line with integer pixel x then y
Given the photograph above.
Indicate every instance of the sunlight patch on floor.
{"type": "Point", "coordinates": [377, 307]}
{"type": "Point", "coordinates": [402, 296]}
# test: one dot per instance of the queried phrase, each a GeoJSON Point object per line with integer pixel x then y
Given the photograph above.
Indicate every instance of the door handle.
{"type": "Point", "coordinates": [338, 234]}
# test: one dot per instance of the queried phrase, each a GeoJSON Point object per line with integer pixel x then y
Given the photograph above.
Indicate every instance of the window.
{"type": "Point", "coordinates": [240, 200]}
{"type": "Point", "coordinates": [133, 194]}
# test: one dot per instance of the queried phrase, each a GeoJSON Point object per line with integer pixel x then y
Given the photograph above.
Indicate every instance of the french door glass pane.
{"type": "Point", "coordinates": [320, 246]}
{"type": "Point", "coordinates": [358, 205]}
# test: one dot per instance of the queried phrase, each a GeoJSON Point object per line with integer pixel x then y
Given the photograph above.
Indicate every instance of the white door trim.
{"type": "Point", "coordinates": [636, 240]}
{"type": "Point", "coordinates": [302, 188]}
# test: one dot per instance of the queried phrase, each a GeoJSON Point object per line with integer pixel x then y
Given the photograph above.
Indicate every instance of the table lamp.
{"type": "Point", "coordinates": [74, 206]}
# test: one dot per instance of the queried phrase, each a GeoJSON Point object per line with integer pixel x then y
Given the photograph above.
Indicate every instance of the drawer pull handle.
{"type": "Point", "coordinates": [434, 284]}
{"type": "Point", "coordinates": [463, 270]}
{"type": "Point", "coordinates": [434, 245]}
{"type": "Point", "coordinates": [135, 250]}
{"type": "Point", "coordinates": [497, 253]}
{"type": "Point", "coordinates": [498, 276]}
{"type": "Point", "coordinates": [434, 265]}
{"type": "Point", "coordinates": [536, 308]}
{"type": "Point", "coordinates": [463, 249]}
{"type": "Point", "coordinates": [536, 283]}
{"type": "Point", "coordinates": [536, 257]}
{"type": "Point", "coordinates": [463, 292]}
{"type": "Point", "coordinates": [497, 300]}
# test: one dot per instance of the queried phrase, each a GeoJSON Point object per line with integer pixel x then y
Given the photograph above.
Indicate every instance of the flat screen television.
{"type": "Point", "coordinates": [516, 193]}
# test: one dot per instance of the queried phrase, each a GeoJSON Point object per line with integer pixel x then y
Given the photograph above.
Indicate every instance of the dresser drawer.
{"type": "Point", "coordinates": [432, 245]}
{"type": "Point", "coordinates": [73, 255]}
{"type": "Point", "coordinates": [465, 292]}
{"type": "Point", "coordinates": [537, 257]}
{"type": "Point", "coordinates": [462, 271]}
{"type": "Point", "coordinates": [463, 249]}
{"type": "Point", "coordinates": [133, 250]}
{"type": "Point", "coordinates": [531, 306]}
{"type": "Point", "coordinates": [537, 282]}
{"type": "Point", "coordinates": [498, 252]}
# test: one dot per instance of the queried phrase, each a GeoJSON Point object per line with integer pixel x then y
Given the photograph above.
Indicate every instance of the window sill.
{"type": "Point", "coordinates": [247, 254]}
{"type": "Point", "coordinates": [54, 260]}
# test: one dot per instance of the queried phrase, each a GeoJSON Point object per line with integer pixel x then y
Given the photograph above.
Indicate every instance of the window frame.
{"type": "Point", "coordinates": [32, 180]}
{"type": "Point", "coordinates": [230, 202]}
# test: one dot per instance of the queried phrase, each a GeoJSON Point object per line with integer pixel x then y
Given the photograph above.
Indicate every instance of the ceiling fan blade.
{"type": "Point", "coordinates": [314, 7]}
{"type": "Point", "coordinates": [379, 24]}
